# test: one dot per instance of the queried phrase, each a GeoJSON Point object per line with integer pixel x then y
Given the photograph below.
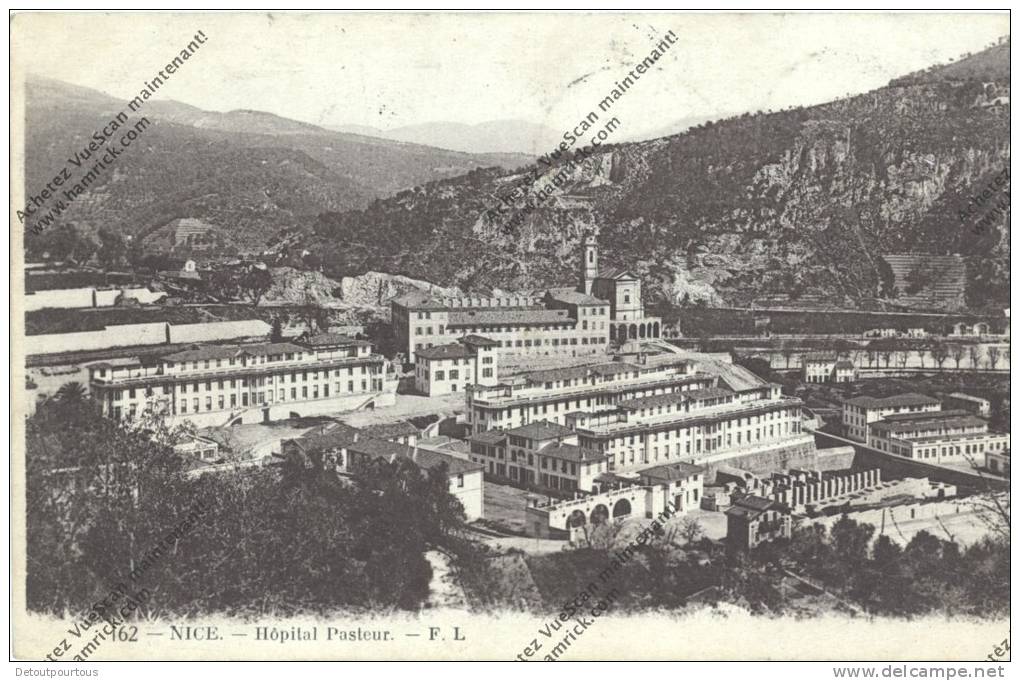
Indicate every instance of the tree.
{"type": "Point", "coordinates": [993, 357]}
{"type": "Point", "coordinates": [957, 352]}
{"type": "Point", "coordinates": [254, 283]}
{"type": "Point", "coordinates": [787, 350]}
{"type": "Point", "coordinates": [691, 530]}
{"type": "Point", "coordinates": [886, 357]}
{"type": "Point", "coordinates": [112, 249]}
{"type": "Point", "coordinates": [276, 334]}
{"type": "Point", "coordinates": [975, 354]}
{"type": "Point", "coordinates": [939, 353]}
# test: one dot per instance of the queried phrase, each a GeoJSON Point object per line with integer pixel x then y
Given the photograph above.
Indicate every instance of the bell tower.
{"type": "Point", "coordinates": [590, 264]}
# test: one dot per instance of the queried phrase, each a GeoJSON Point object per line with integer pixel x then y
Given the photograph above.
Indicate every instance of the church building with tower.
{"type": "Point", "coordinates": [604, 309]}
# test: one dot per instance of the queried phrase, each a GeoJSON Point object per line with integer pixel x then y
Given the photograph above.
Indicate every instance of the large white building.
{"type": "Point", "coordinates": [552, 394]}
{"type": "Point", "coordinates": [622, 418]}
{"type": "Point", "coordinates": [916, 427]}
{"type": "Point", "coordinates": [860, 412]}
{"type": "Point", "coordinates": [605, 307]}
{"type": "Point", "coordinates": [213, 385]}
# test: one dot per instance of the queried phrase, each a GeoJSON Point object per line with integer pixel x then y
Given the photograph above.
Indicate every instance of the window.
{"type": "Point", "coordinates": [460, 480]}
{"type": "Point", "coordinates": [440, 375]}
{"type": "Point", "coordinates": [184, 406]}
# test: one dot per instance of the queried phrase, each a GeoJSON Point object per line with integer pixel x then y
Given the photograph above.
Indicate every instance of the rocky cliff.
{"type": "Point", "coordinates": [799, 204]}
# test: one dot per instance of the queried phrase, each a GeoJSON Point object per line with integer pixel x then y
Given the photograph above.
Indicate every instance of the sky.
{"type": "Point", "coordinates": [393, 70]}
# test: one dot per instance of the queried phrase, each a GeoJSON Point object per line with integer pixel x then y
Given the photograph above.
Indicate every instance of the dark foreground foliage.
{"type": "Point", "coordinates": [274, 541]}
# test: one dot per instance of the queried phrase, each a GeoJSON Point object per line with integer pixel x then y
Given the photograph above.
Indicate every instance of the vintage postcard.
{"type": "Point", "coordinates": [515, 335]}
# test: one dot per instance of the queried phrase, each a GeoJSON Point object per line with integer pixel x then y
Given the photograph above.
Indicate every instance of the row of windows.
{"type": "Point", "coordinates": [265, 397]}
{"type": "Point", "coordinates": [198, 386]}
{"type": "Point", "coordinates": [234, 361]}
{"type": "Point", "coordinates": [732, 438]}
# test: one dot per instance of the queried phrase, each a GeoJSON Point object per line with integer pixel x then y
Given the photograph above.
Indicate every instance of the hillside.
{"type": "Point", "coordinates": [801, 202]}
{"type": "Point", "coordinates": [249, 173]}
{"type": "Point", "coordinates": [491, 136]}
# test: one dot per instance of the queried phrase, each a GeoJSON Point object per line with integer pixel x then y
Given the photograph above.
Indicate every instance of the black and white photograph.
{"type": "Point", "coordinates": [511, 335]}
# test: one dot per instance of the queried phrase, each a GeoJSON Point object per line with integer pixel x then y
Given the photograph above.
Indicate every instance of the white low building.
{"type": "Point", "coordinates": [214, 385]}
{"type": "Point", "coordinates": [450, 368]}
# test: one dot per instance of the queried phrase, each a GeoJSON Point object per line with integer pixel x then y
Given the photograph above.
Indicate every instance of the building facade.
{"type": "Point", "coordinates": [541, 453]}
{"type": "Point", "coordinates": [552, 394]}
{"type": "Point", "coordinates": [451, 368]}
{"type": "Point", "coordinates": [860, 412]}
{"type": "Point", "coordinates": [224, 384]}
{"type": "Point", "coordinates": [676, 488]}
{"type": "Point", "coordinates": [604, 307]}
{"type": "Point", "coordinates": [753, 520]}
{"type": "Point", "coordinates": [952, 436]}
{"type": "Point", "coordinates": [998, 462]}
{"type": "Point", "coordinates": [816, 368]}
{"type": "Point", "coordinates": [702, 425]}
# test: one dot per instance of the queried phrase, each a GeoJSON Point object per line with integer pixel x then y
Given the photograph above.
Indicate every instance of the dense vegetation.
{"type": "Point", "coordinates": [928, 575]}
{"type": "Point", "coordinates": [274, 542]}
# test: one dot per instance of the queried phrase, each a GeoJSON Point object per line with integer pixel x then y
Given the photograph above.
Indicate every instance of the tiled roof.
{"type": "Point", "coordinates": [117, 362]}
{"type": "Point", "coordinates": [904, 400]}
{"type": "Point", "coordinates": [428, 458]}
{"type": "Point", "coordinates": [452, 445]}
{"type": "Point", "coordinates": [921, 415]}
{"type": "Point", "coordinates": [750, 505]}
{"type": "Point", "coordinates": [671, 472]}
{"type": "Point", "coordinates": [469, 317]}
{"type": "Point", "coordinates": [561, 374]}
{"type": "Point", "coordinates": [449, 351]}
{"type": "Point", "coordinates": [489, 437]}
{"type": "Point", "coordinates": [388, 431]}
{"type": "Point", "coordinates": [358, 441]}
{"type": "Point", "coordinates": [844, 364]}
{"type": "Point", "coordinates": [572, 453]}
{"type": "Point", "coordinates": [653, 401]}
{"type": "Point", "coordinates": [616, 273]}
{"type": "Point", "coordinates": [540, 430]}
{"type": "Point", "coordinates": [613, 368]}
{"type": "Point", "coordinates": [474, 339]}
{"type": "Point", "coordinates": [708, 393]}
{"type": "Point", "coordinates": [575, 297]}
{"type": "Point", "coordinates": [935, 421]}
{"type": "Point", "coordinates": [333, 340]}
{"type": "Point", "coordinates": [203, 352]}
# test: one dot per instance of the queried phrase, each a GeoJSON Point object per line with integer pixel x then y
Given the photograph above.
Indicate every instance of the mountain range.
{"type": "Point", "coordinates": [251, 174]}
{"type": "Point", "coordinates": [800, 204]}
{"type": "Point", "coordinates": [492, 136]}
